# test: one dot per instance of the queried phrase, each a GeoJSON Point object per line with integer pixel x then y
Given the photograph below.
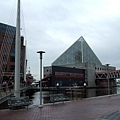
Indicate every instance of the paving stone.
{"type": "Point", "coordinates": [113, 116]}
{"type": "Point", "coordinates": [100, 108]}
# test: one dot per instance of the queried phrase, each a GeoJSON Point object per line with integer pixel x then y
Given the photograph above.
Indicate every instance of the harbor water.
{"type": "Point", "coordinates": [75, 95]}
{"type": "Point", "coordinates": [71, 94]}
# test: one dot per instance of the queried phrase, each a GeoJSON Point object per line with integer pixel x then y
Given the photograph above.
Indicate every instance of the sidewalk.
{"type": "Point", "coordinates": [99, 108]}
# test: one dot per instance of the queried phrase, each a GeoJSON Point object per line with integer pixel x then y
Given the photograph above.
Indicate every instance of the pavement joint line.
{"type": "Point", "coordinates": [75, 108]}
{"type": "Point", "coordinates": [56, 103]}
{"type": "Point", "coordinates": [100, 119]}
{"type": "Point", "coordinates": [111, 116]}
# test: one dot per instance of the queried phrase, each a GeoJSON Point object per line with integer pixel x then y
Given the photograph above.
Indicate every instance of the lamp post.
{"type": "Point", "coordinates": [40, 52]}
{"type": "Point", "coordinates": [57, 86]}
{"type": "Point", "coordinates": [84, 89]}
{"type": "Point", "coordinates": [108, 80]}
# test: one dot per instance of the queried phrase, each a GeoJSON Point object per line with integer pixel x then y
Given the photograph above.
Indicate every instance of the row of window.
{"type": "Point", "coordinates": [96, 68]}
{"type": "Point", "coordinates": [12, 68]}
{"type": "Point", "coordinates": [100, 68]}
{"type": "Point", "coordinates": [12, 58]}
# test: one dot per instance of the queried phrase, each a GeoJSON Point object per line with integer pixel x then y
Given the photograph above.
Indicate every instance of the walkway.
{"type": "Point", "coordinates": [101, 108]}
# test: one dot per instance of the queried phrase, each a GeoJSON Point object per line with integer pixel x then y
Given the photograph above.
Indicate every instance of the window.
{"type": "Point", "coordinates": [12, 52]}
{"type": "Point", "coordinates": [4, 40]}
{"type": "Point", "coordinates": [4, 58]}
{"type": "Point", "coordinates": [21, 69]}
{"type": "Point", "coordinates": [12, 67]}
{"type": "Point", "coordinates": [5, 48]}
{"type": "Point", "coordinates": [13, 42]}
{"type": "Point", "coordinates": [4, 68]}
{"type": "Point", "coordinates": [12, 59]}
{"type": "Point", "coordinates": [85, 65]}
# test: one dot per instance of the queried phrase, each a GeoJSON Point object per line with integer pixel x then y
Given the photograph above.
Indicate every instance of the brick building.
{"type": "Point", "coordinates": [7, 52]}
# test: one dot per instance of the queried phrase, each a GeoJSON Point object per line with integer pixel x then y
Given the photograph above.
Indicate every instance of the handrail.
{"type": "Point", "coordinates": [8, 89]}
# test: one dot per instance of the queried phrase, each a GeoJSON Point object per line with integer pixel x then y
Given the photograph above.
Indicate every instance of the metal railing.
{"type": "Point", "coordinates": [7, 90]}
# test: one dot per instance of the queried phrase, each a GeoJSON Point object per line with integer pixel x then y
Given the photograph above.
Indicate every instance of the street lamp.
{"type": "Point", "coordinates": [57, 85]}
{"type": "Point", "coordinates": [108, 79]}
{"type": "Point", "coordinates": [40, 52]}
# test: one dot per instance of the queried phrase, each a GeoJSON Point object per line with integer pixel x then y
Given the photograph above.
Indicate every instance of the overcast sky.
{"type": "Point", "coordinates": [54, 25]}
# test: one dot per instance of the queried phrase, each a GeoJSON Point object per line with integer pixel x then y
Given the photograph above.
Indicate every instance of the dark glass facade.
{"type": "Point", "coordinates": [65, 76]}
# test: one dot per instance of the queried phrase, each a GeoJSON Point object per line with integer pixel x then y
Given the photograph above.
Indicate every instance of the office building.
{"type": "Point", "coordinates": [7, 52]}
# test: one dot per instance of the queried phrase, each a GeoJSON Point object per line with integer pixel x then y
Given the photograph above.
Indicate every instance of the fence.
{"type": "Point", "coordinates": [7, 90]}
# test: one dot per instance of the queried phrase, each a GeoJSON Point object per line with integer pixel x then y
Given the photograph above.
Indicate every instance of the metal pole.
{"type": "Point", "coordinates": [17, 54]}
{"type": "Point", "coordinates": [40, 52]}
{"type": "Point", "coordinates": [40, 79]}
{"type": "Point", "coordinates": [108, 80]}
{"type": "Point", "coordinates": [25, 63]}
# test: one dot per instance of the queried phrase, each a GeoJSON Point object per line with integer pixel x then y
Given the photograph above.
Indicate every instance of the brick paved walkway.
{"type": "Point", "coordinates": [101, 108]}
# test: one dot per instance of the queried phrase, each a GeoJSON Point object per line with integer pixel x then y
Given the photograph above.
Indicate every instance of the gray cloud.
{"type": "Point", "coordinates": [54, 25]}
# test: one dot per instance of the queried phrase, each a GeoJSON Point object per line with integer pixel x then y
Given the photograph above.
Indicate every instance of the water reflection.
{"type": "Point", "coordinates": [118, 90]}
{"type": "Point", "coordinates": [73, 95]}
{"type": "Point", "coordinates": [36, 98]}
{"type": "Point", "coordinates": [102, 91]}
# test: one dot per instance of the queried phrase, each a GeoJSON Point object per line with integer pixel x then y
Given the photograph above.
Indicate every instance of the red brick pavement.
{"type": "Point", "coordinates": [86, 109]}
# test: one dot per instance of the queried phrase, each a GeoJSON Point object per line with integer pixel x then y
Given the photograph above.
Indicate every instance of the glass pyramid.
{"type": "Point", "coordinates": [79, 52]}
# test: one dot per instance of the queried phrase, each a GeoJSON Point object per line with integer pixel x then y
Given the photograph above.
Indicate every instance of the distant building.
{"type": "Point", "coordinates": [29, 77]}
{"type": "Point", "coordinates": [64, 76]}
{"type": "Point", "coordinates": [7, 52]}
{"type": "Point", "coordinates": [80, 56]}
